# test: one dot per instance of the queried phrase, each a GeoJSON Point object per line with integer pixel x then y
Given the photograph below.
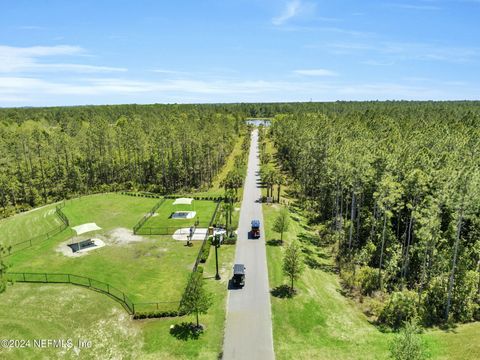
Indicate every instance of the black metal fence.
{"type": "Point", "coordinates": [138, 310]}
{"type": "Point", "coordinates": [147, 216]}
{"type": "Point", "coordinates": [11, 249]}
{"type": "Point", "coordinates": [100, 286]}
{"type": "Point", "coordinates": [157, 230]}
{"type": "Point", "coordinates": [205, 242]}
{"type": "Point", "coordinates": [60, 214]}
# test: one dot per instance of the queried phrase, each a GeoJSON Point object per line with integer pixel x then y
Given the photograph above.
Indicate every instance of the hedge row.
{"type": "Point", "coordinates": [147, 195]}
{"type": "Point", "coordinates": [157, 314]}
{"type": "Point", "coordinates": [211, 198]}
{"type": "Point", "coordinates": [206, 251]}
{"type": "Point", "coordinates": [157, 196]}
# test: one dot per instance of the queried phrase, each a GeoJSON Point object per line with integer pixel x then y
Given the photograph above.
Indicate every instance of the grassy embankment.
{"type": "Point", "coordinates": [28, 225]}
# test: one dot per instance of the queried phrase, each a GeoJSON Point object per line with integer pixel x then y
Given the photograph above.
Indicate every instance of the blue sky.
{"type": "Point", "coordinates": [110, 52]}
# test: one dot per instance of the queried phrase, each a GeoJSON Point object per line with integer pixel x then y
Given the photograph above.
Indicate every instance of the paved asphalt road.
{"type": "Point", "coordinates": [248, 333]}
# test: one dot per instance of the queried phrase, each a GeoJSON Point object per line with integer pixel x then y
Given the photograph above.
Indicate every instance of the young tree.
{"type": "Point", "coordinates": [407, 345]}
{"type": "Point", "coordinates": [196, 300]}
{"type": "Point", "coordinates": [293, 265]}
{"type": "Point", "coordinates": [282, 223]}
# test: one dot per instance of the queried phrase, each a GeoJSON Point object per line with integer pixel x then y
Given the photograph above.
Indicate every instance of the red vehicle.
{"type": "Point", "coordinates": [255, 231]}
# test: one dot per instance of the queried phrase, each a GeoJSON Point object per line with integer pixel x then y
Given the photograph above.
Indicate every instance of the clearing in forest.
{"type": "Point", "coordinates": [146, 268]}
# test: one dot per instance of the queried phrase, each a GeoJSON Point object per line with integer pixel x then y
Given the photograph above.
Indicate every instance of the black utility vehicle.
{"type": "Point", "coordinates": [238, 279]}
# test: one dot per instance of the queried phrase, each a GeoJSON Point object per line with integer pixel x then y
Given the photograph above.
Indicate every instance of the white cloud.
{"type": "Point", "coordinates": [30, 27]}
{"type": "Point", "coordinates": [169, 72]}
{"type": "Point", "coordinates": [315, 72]}
{"type": "Point", "coordinates": [413, 6]}
{"type": "Point", "coordinates": [330, 29]}
{"type": "Point", "coordinates": [398, 51]}
{"type": "Point", "coordinates": [378, 63]}
{"type": "Point", "coordinates": [27, 59]}
{"type": "Point", "coordinates": [21, 91]}
{"type": "Point", "coordinates": [107, 86]}
{"type": "Point", "coordinates": [292, 9]}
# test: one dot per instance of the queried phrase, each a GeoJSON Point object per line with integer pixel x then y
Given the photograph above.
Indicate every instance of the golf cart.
{"type": "Point", "coordinates": [238, 279]}
{"type": "Point", "coordinates": [255, 231]}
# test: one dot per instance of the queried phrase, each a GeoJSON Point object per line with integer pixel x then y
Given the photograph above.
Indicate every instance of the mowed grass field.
{"type": "Point", "coordinates": [29, 224]}
{"type": "Point", "coordinates": [154, 269]}
{"type": "Point", "coordinates": [55, 311]}
{"type": "Point", "coordinates": [204, 211]}
{"type": "Point", "coordinates": [321, 323]}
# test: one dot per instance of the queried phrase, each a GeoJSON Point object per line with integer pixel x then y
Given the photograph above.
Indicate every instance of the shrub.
{"type": "Point", "coordinates": [156, 314]}
{"type": "Point", "coordinates": [367, 280]}
{"type": "Point", "coordinates": [373, 306]}
{"type": "Point", "coordinates": [402, 306]}
{"type": "Point", "coordinates": [435, 300]}
{"type": "Point", "coordinates": [407, 345]}
{"type": "Point", "coordinates": [230, 240]}
{"type": "Point", "coordinates": [464, 303]}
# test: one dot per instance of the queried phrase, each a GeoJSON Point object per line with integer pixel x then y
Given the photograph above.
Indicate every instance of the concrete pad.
{"type": "Point", "coordinates": [182, 234]}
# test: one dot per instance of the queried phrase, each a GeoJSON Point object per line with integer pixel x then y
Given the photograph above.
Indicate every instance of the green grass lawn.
{"type": "Point", "coordinates": [151, 270]}
{"type": "Point", "coordinates": [320, 323]}
{"type": "Point", "coordinates": [108, 210]}
{"type": "Point", "coordinates": [162, 219]}
{"type": "Point", "coordinates": [27, 225]}
{"type": "Point", "coordinates": [48, 311]}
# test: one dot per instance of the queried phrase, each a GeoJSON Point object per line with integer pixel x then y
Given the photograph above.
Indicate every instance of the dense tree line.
{"type": "Point", "coordinates": [269, 174]}
{"type": "Point", "coordinates": [52, 153]}
{"type": "Point", "coordinates": [396, 187]}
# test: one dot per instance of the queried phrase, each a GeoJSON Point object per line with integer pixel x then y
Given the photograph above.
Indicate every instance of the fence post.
{"type": "Point", "coordinates": [46, 278]}
{"type": "Point", "coordinates": [69, 278]}
{"type": "Point", "coordinates": [89, 282]}
{"type": "Point", "coordinates": [23, 277]}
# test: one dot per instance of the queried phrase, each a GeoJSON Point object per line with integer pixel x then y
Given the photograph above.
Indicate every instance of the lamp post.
{"type": "Point", "coordinates": [217, 240]}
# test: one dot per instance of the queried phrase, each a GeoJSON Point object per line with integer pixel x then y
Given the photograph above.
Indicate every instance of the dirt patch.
{"type": "Point", "coordinates": [123, 236]}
